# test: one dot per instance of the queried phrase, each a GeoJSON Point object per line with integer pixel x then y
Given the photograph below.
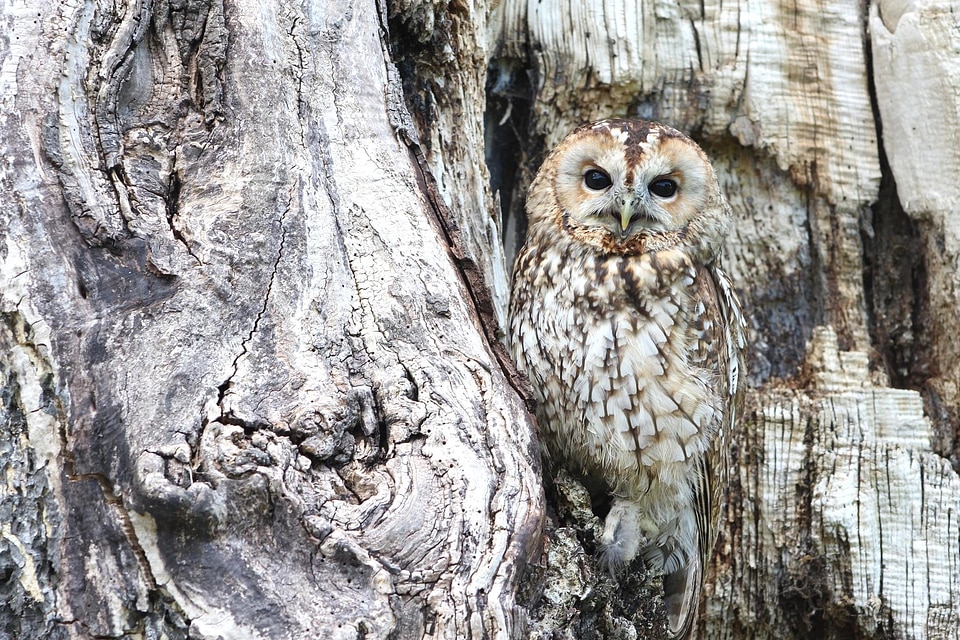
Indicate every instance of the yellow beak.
{"type": "Point", "coordinates": [626, 213]}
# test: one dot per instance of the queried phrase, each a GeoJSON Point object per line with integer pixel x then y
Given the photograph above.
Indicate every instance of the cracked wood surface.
{"type": "Point", "coordinates": [843, 518]}
{"type": "Point", "coordinates": [842, 521]}
{"type": "Point", "coordinates": [246, 385]}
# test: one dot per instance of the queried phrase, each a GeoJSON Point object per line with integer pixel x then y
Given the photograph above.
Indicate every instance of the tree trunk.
{"type": "Point", "coordinates": [246, 394]}
{"type": "Point", "coordinates": [252, 275]}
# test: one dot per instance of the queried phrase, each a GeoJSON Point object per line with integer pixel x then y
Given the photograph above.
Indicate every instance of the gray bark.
{"type": "Point", "coordinates": [246, 392]}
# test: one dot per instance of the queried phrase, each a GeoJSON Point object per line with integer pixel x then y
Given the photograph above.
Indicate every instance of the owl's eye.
{"type": "Point", "coordinates": [663, 188]}
{"type": "Point", "coordinates": [596, 180]}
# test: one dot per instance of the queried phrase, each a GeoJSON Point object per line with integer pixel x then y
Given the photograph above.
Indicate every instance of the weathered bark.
{"type": "Point", "coordinates": [245, 389]}
{"type": "Point", "coordinates": [842, 521]}
{"type": "Point", "coordinates": [250, 385]}
{"type": "Point", "coordinates": [915, 53]}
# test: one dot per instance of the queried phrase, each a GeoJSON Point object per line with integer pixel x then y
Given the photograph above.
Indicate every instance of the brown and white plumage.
{"type": "Point", "coordinates": [633, 340]}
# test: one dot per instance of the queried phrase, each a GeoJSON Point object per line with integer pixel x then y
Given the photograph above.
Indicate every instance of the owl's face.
{"type": "Point", "coordinates": [630, 178]}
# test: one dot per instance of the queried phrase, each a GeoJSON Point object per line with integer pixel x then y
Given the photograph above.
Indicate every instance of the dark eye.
{"type": "Point", "coordinates": [596, 180]}
{"type": "Point", "coordinates": [663, 187]}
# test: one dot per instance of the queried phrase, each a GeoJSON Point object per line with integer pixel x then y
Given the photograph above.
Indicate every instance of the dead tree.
{"type": "Point", "coordinates": [254, 260]}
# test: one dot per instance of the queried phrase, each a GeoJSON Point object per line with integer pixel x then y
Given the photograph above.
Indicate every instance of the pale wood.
{"type": "Point", "coordinates": [843, 519]}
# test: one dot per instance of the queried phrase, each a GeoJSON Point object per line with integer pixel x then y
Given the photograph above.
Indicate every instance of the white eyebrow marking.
{"type": "Point", "coordinates": [653, 138]}
{"type": "Point", "coordinates": [619, 135]}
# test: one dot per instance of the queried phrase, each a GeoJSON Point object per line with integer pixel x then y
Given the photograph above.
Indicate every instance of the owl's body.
{"type": "Point", "coordinates": [632, 338]}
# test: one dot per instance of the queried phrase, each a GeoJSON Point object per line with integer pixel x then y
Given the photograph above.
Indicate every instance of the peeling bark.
{"type": "Point", "coordinates": [843, 292]}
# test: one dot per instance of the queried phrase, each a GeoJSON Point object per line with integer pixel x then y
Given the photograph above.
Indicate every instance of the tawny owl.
{"type": "Point", "coordinates": [633, 340]}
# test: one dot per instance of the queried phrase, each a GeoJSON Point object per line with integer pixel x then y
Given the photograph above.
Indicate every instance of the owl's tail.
{"type": "Point", "coordinates": [681, 595]}
{"type": "Point", "coordinates": [682, 563]}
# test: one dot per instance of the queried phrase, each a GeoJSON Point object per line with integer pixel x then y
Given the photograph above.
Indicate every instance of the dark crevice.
{"type": "Point", "coordinates": [173, 206]}
{"type": "Point", "coordinates": [897, 292]}
{"type": "Point", "coordinates": [897, 295]}
{"type": "Point", "coordinates": [471, 274]}
{"type": "Point", "coordinates": [895, 284]}
{"type": "Point", "coordinates": [418, 42]}
{"type": "Point", "coordinates": [895, 276]}
{"type": "Point", "coordinates": [696, 41]}
{"type": "Point", "coordinates": [508, 148]}
{"type": "Point", "coordinates": [803, 585]}
{"type": "Point", "coordinates": [226, 385]}
{"type": "Point", "coordinates": [417, 38]}
{"type": "Point", "coordinates": [299, 71]}
{"type": "Point", "coordinates": [383, 437]}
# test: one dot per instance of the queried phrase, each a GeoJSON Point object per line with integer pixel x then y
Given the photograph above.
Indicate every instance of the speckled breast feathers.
{"type": "Point", "coordinates": [632, 337]}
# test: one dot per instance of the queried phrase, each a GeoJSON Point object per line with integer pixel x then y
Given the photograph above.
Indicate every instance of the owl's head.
{"type": "Point", "coordinates": [620, 182]}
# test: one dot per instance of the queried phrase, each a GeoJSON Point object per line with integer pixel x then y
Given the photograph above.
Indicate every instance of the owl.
{"type": "Point", "coordinates": [633, 340]}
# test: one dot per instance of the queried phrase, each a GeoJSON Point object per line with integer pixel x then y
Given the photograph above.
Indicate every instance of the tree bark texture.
{"type": "Point", "coordinates": [253, 258]}
{"type": "Point", "coordinates": [246, 394]}
{"type": "Point", "coordinates": [844, 518]}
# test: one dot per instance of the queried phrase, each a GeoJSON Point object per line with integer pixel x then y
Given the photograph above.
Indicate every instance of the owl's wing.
{"type": "Point", "coordinates": [716, 346]}
{"type": "Point", "coordinates": [717, 331]}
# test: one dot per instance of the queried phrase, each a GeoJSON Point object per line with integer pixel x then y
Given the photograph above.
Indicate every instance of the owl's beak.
{"type": "Point", "coordinates": [626, 216]}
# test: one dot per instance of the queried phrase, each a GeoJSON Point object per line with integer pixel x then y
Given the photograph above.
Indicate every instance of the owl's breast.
{"type": "Point", "coordinates": [606, 342]}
